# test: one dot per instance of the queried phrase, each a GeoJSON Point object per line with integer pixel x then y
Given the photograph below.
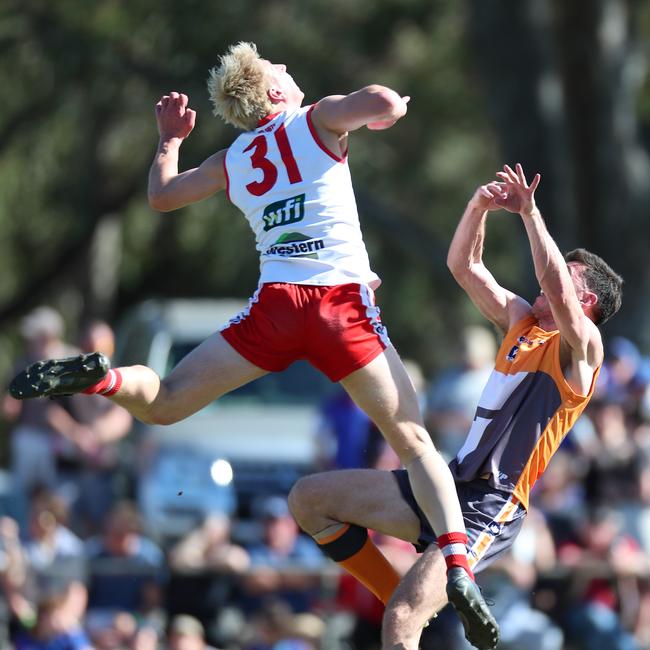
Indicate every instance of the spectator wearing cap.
{"type": "Point", "coordinates": [37, 425]}
{"type": "Point", "coordinates": [284, 562]}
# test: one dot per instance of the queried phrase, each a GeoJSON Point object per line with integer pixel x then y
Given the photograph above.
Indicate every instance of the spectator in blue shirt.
{"type": "Point", "coordinates": [127, 569]}
{"type": "Point", "coordinates": [283, 563]}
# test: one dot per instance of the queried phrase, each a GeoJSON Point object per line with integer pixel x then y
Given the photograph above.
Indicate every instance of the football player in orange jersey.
{"type": "Point", "coordinates": [544, 376]}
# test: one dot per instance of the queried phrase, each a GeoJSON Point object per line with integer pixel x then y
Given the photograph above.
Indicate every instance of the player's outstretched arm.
{"type": "Point", "coordinates": [375, 106]}
{"type": "Point", "coordinates": [550, 266]}
{"type": "Point", "coordinates": [465, 261]}
{"type": "Point", "coordinates": [168, 189]}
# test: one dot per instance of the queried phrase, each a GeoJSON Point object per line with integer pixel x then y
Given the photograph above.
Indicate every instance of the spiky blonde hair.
{"type": "Point", "coordinates": [238, 85]}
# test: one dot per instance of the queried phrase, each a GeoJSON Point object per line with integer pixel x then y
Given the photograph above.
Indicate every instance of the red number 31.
{"type": "Point", "coordinates": [270, 172]}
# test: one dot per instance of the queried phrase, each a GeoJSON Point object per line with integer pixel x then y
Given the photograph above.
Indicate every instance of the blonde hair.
{"type": "Point", "coordinates": [237, 87]}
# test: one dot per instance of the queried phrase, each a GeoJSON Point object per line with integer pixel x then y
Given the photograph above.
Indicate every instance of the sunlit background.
{"type": "Point", "coordinates": [561, 87]}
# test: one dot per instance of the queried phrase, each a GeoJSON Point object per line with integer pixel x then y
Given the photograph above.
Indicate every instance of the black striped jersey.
{"type": "Point", "coordinates": [525, 410]}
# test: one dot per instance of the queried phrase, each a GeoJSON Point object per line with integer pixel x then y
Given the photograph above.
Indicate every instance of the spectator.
{"type": "Point", "coordinates": [559, 494]}
{"type": "Point", "coordinates": [623, 379]}
{"type": "Point", "coordinates": [127, 570]}
{"type": "Point", "coordinates": [37, 430]}
{"type": "Point", "coordinates": [206, 568]}
{"type": "Point", "coordinates": [186, 633]}
{"type": "Point", "coordinates": [454, 394]}
{"type": "Point", "coordinates": [344, 433]}
{"type": "Point", "coordinates": [276, 627]}
{"type": "Point", "coordinates": [58, 622]}
{"type": "Point", "coordinates": [91, 458]}
{"type": "Point", "coordinates": [51, 545]}
{"type": "Point", "coordinates": [51, 560]}
{"type": "Point", "coordinates": [13, 574]}
{"type": "Point", "coordinates": [284, 563]}
{"type": "Point", "coordinates": [210, 547]}
{"type": "Point", "coordinates": [511, 580]}
{"type": "Point", "coordinates": [124, 633]}
{"type": "Point", "coordinates": [613, 471]}
{"type": "Point", "coordinates": [347, 437]}
{"type": "Point", "coordinates": [601, 557]}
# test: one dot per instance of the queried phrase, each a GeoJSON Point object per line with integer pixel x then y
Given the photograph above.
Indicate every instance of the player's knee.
{"type": "Point", "coordinates": [168, 407]}
{"type": "Point", "coordinates": [416, 442]}
{"type": "Point", "coordinates": [303, 498]}
{"type": "Point", "coordinates": [162, 413]}
{"type": "Point", "coordinates": [297, 499]}
{"type": "Point", "coordinates": [161, 418]}
{"type": "Point", "coordinates": [421, 437]}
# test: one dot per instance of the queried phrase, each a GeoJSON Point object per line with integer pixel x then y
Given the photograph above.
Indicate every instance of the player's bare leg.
{"type": "Point", "coordinates": [418, 598]}
{"type": "Point", "coordinates": [385, 392]}
{"type": "Point", "coordinates": [209, 371]}
{"type": "Point", "coordinates": [367, 497]}
{"type": "Point", "coordinates": [337, 508]}
{"type": "Point", "coordinates": [371, 498]}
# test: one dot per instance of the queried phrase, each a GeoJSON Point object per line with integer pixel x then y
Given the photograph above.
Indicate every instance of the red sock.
{"type": "Point", "coordinates": [454, 548]}
{"type": "Point", "coordinates": [107, 386]}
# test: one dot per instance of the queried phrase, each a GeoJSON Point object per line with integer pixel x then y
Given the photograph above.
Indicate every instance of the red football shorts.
{"type": "Point", "coordinates": [336, 328]}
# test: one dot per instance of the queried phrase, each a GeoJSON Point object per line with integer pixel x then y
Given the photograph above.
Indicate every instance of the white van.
{"type": "Point", "coordinates": [263, 433]}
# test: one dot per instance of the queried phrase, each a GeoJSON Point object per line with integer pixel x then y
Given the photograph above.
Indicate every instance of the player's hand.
{"type": "Point", "coordinates": [380, 125]}
{"type": "Point", "coordinates": [174, 118]}
{"type": "Point", "coordinates": [519, 196]}
{"type": "Point", "coordinates": [486, 196]}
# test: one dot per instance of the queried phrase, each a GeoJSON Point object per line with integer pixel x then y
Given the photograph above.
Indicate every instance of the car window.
{"type": "Point", "coordinates": [300, 383]}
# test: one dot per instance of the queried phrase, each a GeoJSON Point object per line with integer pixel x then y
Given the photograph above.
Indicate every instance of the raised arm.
{"type": "Point", "coordinates": [376, 107]}
{"type": "Point", "coordinates": [554, 276]}
{"type": "Point", "coordinates": [169, 189]}
{"type": "Point", "coordinates": [465, 261]}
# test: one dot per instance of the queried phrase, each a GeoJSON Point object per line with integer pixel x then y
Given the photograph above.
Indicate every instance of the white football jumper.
{"type": "Point", "coordinates": [298, 199]}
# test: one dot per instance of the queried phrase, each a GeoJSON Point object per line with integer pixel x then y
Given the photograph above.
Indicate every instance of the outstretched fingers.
{"type": "Point", "coordinates": [517, 177]}
{"type": "Point", "coordinates": [508, 175]}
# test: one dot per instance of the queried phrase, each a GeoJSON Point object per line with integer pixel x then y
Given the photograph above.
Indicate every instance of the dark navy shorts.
{"type": "Point", "coordinates": [492, 518]}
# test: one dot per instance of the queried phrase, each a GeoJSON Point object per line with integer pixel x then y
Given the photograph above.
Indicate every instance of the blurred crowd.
{"type": "Point", "coordinates": [79, 568]}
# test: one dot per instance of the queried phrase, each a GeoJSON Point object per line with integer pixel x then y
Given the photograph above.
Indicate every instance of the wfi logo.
{"type": "Point", "coordinates": [282, 213]}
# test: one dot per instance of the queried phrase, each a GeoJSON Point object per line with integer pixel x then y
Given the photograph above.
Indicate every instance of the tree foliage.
{"type": "Point", "coordinates": [490, 82]}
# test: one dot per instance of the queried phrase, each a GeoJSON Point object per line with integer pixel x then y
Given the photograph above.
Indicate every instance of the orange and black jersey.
{"type": "Point", "coordinates": [525, 410]}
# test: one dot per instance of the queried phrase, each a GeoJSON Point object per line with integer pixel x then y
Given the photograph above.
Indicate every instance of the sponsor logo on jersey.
{"type": "Point", "coordinates": [495, 528]}
{"type": "Point", "coordinates": [513, 353]}
{"type": "Point", "coordinates": [295, 244]}
{"type": "Point", "coordinates": [520, 341]}
{"type": "Point", "coordinates": [283, 213]}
